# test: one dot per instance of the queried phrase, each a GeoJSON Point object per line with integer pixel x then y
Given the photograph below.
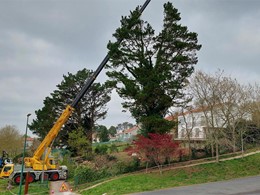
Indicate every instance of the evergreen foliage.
{"type": "Point", "coordinates": [78, 142]}
{"type": "Point", "coordinates": [103, 133]}
{"type": "Point", "coordinates": [91, 107]}
{"type": "Point", "coordinates": [150, 70]}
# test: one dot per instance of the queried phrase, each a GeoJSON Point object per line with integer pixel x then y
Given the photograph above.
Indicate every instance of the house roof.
{"type": "Point", "coordinates": [134, 128]}
{"type": "Point", "coordinates": [171, 117]}
{"type": "Point", "coordinates": [175, 116]}
{"type": "Point", "coordinates": [29, 139]}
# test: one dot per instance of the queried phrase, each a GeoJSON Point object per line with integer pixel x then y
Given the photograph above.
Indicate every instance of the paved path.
{"type": "Point", "coordinates": [242, 186]}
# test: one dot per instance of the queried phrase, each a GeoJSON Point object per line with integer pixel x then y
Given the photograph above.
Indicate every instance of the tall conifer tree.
{"type": "Point", "coordinates": [151, 70]}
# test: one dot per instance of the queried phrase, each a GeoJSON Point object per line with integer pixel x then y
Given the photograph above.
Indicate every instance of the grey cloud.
{"type": "Point", "coordinates": [42, 40]}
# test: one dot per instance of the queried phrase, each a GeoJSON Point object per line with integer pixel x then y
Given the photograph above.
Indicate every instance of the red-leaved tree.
{"type": "Point", "coordinates": [156, 148]}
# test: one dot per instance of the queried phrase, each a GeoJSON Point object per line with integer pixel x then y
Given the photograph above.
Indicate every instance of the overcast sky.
{"type": "Point", "coordinates": [41, 40]}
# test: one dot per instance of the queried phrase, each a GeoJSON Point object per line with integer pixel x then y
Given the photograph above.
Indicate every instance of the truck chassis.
{"type": "Point", "coordinates": [52, 175]}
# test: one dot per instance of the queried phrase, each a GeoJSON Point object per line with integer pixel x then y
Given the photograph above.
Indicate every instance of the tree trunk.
{"type": "Point", "coordinates": [217, 152]}
{"type": "Point", "coordinates": [212, 150]}
{"type": "Point", "coordinates": [189, 145]}
{"type": "Point", "coordinates": [234, 140]}
{"type": "Point", "coordinates": [160, 168]}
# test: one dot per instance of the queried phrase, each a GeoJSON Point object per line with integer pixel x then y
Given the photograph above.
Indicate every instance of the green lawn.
{"type": "Point", "coordinates": [34, 188]}
{"type": "Point", "coordinates": [246, 166]}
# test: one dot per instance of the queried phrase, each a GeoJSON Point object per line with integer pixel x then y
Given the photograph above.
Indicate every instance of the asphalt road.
{"type": "Point", "coordinates": [242, 186]}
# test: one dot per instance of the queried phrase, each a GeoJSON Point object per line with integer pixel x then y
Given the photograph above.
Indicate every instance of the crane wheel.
{"type": "Point", "coordinates": [31, 178]}
{"type": "Point", "coordinates": [17, 179]}
{"type": "Point", "coordinates": [54, 176]}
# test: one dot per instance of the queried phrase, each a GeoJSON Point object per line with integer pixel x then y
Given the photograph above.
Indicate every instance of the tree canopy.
{"type": "Point", "coordinates": [150, 70]}
{"type": "Point", "coordinates": [156, 148]}
{"type": "Point", "coordinates": [91, 107]}
{"type": "Point", "coordinates": [78, 143]}
{"type": "Point", "coordinates": [103, 133]}
{"type": "Point", "coordinates": [11, 140]}
{"type": "Point", "coordinates": [226, 106]}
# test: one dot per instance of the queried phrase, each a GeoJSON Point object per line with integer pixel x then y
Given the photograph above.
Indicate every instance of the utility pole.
{"type": "Point", "coordinates": [24, 147]}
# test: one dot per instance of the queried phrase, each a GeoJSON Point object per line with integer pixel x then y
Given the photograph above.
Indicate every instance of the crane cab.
{"type": "Point", "coordinates": [7, 170]}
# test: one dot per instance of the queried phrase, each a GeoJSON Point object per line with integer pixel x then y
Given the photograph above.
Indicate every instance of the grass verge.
{"type": "Point", "coordinates": [36, 188]}
{"type": "Point", "coordinates": [247, 166]}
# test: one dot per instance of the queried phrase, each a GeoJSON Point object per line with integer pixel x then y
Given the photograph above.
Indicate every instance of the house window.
{"type": "Point", "coordinates": [202, 121]}
{"type": "Point", "coordinates": [197, 132]}
{"type": "Point", "coordinates": [193, 122]}
{"type": "Point", "coordinates": [181, 120]}
{"type": "Point", "coordinates": [182, 132]}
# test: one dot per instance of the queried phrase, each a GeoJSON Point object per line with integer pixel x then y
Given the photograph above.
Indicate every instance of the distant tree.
{"type": "Point", "coordinates": [156, 148]}
{"type": "Point", "coordinates": [33, 147]}
{"type": "Point", "coordinates": [150, 70]}
{"type": "Point", "coordinates": [91, 107]}
{"type": "Point", "coordinates": [112, 131]}
{"type": "Point", "coordinates": [124, 126]}
{"type": "Point", "coordinates": [251, 133]}
{"type": "Point", "coordinates": [102, 133]}
{"type": "Point", "coordinates": [188, 124]}
{"type": "Point", "coordinates": [205, 89]}
{"type": "Point", "coordinates": [255, 104]}
{"type": "Point", "coordinates": [224, 102]}
{"type": "Point", "coordinates": [11, 141]}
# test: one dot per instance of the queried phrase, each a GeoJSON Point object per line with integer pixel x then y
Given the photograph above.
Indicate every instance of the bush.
{"type": "Point", "coordinates": [101, 149]}
{"type": "Point", "coordinates": [85, 174]}
{"type": "Point", "coordinates": [127, 167]}
{"type": "Point", "coordinates": [113, 148]}
{"type": "Point", "coordinates": [70, 164]}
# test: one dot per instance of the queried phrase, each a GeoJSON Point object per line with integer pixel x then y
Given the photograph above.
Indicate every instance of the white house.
{"type": "Point", "coordinates": [192, 124]}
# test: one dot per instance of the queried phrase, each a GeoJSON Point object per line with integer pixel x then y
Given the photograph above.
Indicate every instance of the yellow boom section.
{"type": "Point", "coordinates": [36, 162]}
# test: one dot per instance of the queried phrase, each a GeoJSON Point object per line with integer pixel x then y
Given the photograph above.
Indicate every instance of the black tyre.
{"type": "Point", "coordinates": [31, 178]}
{"type": "Point", "coordinates": [17, 179]}
{"type": "Point", "coordinates": [54, 176]}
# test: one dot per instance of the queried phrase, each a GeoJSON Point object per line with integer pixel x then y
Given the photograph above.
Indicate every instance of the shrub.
{"type": "Point", "coordinates": [113, 148]}
{"type": "Point", "coordinates": [85, 174]}
{"type": "Point", "coordinates": [127, 167]}
{"type": "Point", "coordinates": [70, 164]}
{"type": "Point", "coordinates": [101, 149]}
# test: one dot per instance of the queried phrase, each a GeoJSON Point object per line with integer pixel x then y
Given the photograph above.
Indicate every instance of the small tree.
{"type": "Point", "coordinates": [78, 141]}
{"type": "Point", "coordinates": [225, 102]}
{"type": "Point", "coordinates": [112, 131]}
{"type": "Point", "coordinates": [11, 140]}
{"type": "Point", "coordinates": [124, 126]}
{"type": "Point", "coordinates": [156, 148]}
{"type": "Point", "coordinates": [102, 133]}
{"type": "Point", "coordinates": [188, 125]}
{"type": "Point", "coordinates": [34, 146]}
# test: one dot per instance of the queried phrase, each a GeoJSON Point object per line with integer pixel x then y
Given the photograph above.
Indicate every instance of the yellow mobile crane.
{"type": "Point", "coordinates": [41, 162]}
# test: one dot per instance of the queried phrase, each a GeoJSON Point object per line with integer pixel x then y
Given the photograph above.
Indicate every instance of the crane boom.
{"type": "Point", "coordinates": [35, 162]}
{"type": "Point", "coordinates": [100, 67]}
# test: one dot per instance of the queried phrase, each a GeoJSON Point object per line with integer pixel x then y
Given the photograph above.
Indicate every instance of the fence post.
{"type": "Point", "coordinates": [26, 183]}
